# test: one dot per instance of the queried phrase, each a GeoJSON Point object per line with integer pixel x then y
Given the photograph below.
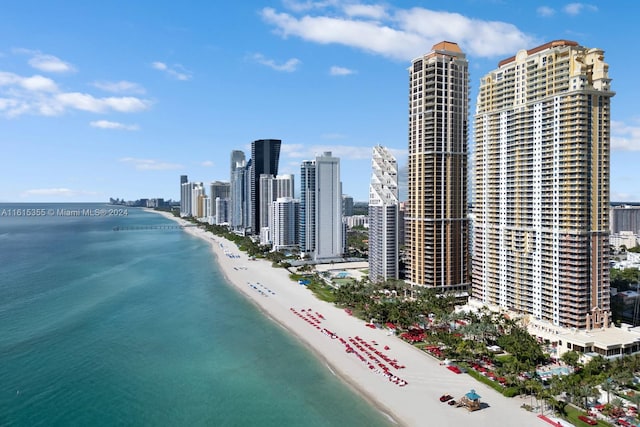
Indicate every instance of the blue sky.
{"type": "Point", "coordinates": [118, 98]}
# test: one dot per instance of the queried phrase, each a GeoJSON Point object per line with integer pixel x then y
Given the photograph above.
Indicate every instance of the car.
{"type": "Point", "coordinates": [445, 397]}
{"type": "Point", "coordinates": [587, 420]}
{"type": "Point", "coordinates": [451, 402]}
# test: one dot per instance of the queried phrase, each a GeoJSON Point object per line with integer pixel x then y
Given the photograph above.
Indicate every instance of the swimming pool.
{"type": "Point", "coordinates": [559, 370]}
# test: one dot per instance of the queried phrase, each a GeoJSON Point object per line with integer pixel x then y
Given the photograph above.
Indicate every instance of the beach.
{"type": "Point", "coordinates": [401, 381]}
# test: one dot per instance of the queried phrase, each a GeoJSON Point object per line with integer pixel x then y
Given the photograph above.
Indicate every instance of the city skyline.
{"type": "Point", "coordinates": [115, 100]}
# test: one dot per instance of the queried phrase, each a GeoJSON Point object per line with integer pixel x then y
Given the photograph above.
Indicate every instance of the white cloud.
{"type": "Point", "coordinates": [159, 66]}
{"type": "Point", "coordinates": [624, 137]}
{"type": "Point", "coordinates": [301, 6]}
{"type": "Point", "coordinates": [39, 83]}
{"type": "Point", "coordinates": [56, 192]}
{"type": "Point", "coordinates": [403, 34]}
{"type": "Point", "coordinates": [288, 66]}
{"type": "Point", "coordinates": [340, 71]}
{"type": "Point", "coordinates": [34, 83]}
{"type": "Point", "coordinates": [50, 63]}
{"type": "Point", "coordinates": [207, 163]}
{"type": "Point", "coordinates": [577, 8]}
{"type": "Point", "coordinates": [176, 71]}
{"type": "Point", "coordinates": [106, 124]}
{"type": "Point", "coordinates": [122, 86]}
{"type": "Point", "coordinates": [86, 102]}
{"type": "Point", "coordinates": [41, 96]}
{"type": "Point", "coordinates": [150, 164]}
{"type": "Point", "coordinates": [545, 11]}
{"type": "Point", "coordinates": [365, 11]}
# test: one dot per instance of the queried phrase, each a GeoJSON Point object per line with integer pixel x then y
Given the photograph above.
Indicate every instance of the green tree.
{"type": "Point", "coordinates": [570, 358]}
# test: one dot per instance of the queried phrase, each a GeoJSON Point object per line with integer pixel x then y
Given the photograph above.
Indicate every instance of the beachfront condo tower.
{"type": "Point", "coordinates": [265, 154]}
{"type": "Point", "coordinates": [284, 223]}
{"type": "Point", "coordinates": [271, 188]}
{"type": "Point", "coordinates": [321, 227]}
{"type": "Point", "coordinates": [383, 216]}
{"type": "Point", "coordinates": [541, 184]}
{"type": "Point", "coordinates": [236, 191]}
{"type": "Point", "coordinates": [238, 195]}
{"type": "Point", "coordinates": [183, 197]}
{"type": "Point", "coordinates": [219, 190]}
{"type": "Point", "coordinates": [307, 238]}
{"type": "Point", "coordinates": [436, 220]}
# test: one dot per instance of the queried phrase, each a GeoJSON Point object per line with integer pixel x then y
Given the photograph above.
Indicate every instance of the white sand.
{"type": "Point", "coordinates": [415, 404]}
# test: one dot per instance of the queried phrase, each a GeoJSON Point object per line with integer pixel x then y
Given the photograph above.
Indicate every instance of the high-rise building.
{"type": "Point", "coordinates": [542, 140]}
{"type": "Point", "coordinates": [271, 188]}
{"type": "Point", "coordinates": [238, 196]}
{"type": "Point", "coordinates": [222, 190]}
{"type": "Point", "coordinates": [329, 226]}
{"type": "Point", "coordinates": [186, 199]}
{"type": "Point", "coordinates": [624, 218]}
{"type": "Point", "coordinates": [237, 157]}
{"type": "Point", "coordinates": [265, 154]}
{"type": "Point", "coordinates": [247, 201]}
{"type": "Point", "coordinates": [307, 207]}
{"type": "Point", "coordinates": [183, 199]}
{"type": "Point", "coordinates": [383, 216]}
{"type": "Point", "coordinates": [222, 211]}
{"type": "Point", "coordinates": [284, 223]}
{"type": "Point", "coordinates": [197, 190]}
{"type": "Point", "coordinates": [321, 228]}
{"type": "Point", "coordinates": [437, 236]}
{"type": "Point", "coordinates": [347, 205]}
{"type": "Point", "coordinates": [236, 190]}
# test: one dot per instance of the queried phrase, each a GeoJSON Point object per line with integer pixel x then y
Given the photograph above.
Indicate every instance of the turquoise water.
{"type": "Point", "coordinates": [103, 327]}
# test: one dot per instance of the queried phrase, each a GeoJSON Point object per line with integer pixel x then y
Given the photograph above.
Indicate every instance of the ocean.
{"type": "Point", "coordinates": [139, 328]}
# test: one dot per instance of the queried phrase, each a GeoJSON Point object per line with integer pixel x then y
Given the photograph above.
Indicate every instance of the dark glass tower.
{"type": "Point", "coordinates": [265, 154]}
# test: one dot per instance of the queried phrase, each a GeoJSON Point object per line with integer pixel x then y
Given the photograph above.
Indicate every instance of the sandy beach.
{"type": "Point", "coordinates": [409, 395]}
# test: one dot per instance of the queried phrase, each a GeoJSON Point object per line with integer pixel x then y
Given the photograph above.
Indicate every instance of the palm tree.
{"type": "Point", "coordinates": [622, 376]}
{"type": "Point", "coordinates": [608, 386]}
{"type": "Point", "coordinates": [617, 405]}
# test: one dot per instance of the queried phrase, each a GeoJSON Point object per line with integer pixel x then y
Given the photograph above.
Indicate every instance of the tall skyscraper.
{"type": "Point", "coordinates": [383, 216]}
{"type": "Point", "coordinates": [347, 205]}
{"type": "Point", "coordinates": [321, 228]}
{"type": "Point", "coordinates": [197, 193]}
{"type": "Point", "coordinates": [237, 157]}
{"type": "Point", "coordinates": [265, 154]}
{"type": "Point", "coordinates": [222, 211]}
{"type": "Point", "coordinates": [183, 199]}
{"type": "Point", "coordinates": [236, 196]}
{"type": "Point", "coordinates": [247, 201]}
{"type": "Point", "coordinates": [272, 188]}
{"type": "Point", "coordinates": [284, 223]}
{"type": "Point", "coordinates": [307, 207]}
{"type": "Point", "coordinates": [437, 236]}
{"type": "Point", "coordinates": [542, 135]}
{"type": "Point", "coordinates": [221, 190]}
{"type": "Point", "coordinates": [625, 218]}
{"type": "Point", "coordinates": [329, 226]}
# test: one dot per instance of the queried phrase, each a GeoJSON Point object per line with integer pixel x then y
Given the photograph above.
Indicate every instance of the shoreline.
{"type": "Point", "coordinates": [309, 320]}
